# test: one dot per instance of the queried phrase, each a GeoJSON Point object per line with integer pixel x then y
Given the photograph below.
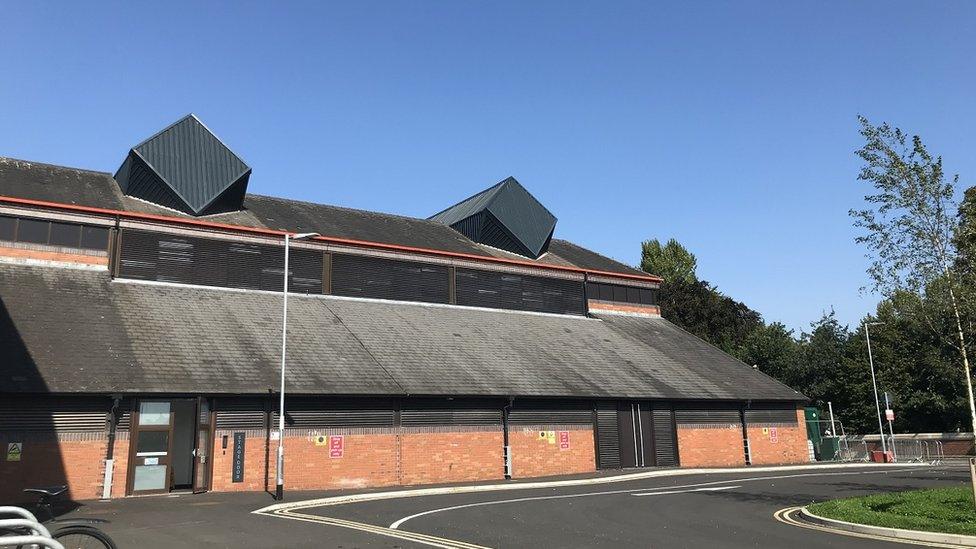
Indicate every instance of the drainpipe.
{"type": "Point", "coordinates": [110, 450]}
{"type": "Point", "coordinates": [506, 448]}
{"type": "Point", "coordinates": [586, 298]}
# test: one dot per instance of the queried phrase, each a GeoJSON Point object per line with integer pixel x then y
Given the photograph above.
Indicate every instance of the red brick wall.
{"type": "Point", "coordinates": [533, 456]}
{"type": "Point", "coordinates": [719, 446]}
{"type": "Point", "coordinates": [53, 256]}
{"type": "Point", "coordinates": [451, 457]}
{"type": "Point", "coordinates": [77, 460]}
{"type": "Point", "coordinates": [597, 306]}
{"type": "Point", "coordinates": [120, 469]}
{"type": "Point", "coordinates": [790, 444]}
{"type": "Point", "coordinates": [382, 458]}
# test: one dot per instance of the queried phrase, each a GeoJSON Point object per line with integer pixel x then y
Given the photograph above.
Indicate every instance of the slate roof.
{"type": "Point", "coordinates": [39, 181]}
{"type": "Point", "coordinates": [73, 330]}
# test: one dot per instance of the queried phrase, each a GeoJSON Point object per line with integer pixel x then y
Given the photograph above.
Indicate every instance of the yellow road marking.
{"type": "Point", "coordinates": [786, 517]}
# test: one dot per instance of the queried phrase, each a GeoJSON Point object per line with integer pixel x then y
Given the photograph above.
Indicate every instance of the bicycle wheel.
{"type": "Point", "coordinates": [83, 537]}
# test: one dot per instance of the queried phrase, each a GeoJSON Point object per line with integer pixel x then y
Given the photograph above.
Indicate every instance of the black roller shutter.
{"type": "Point", "coordinates": [359, 276]}
{"type": "Point", "coordinates": [519, 292]}
{"type": "Point", "coordinates": [665, 445]}
{"type": "Point", "coordinates": [209, 262]}
{"type": "Point", "coordinates": [312, 413]}
{"type": "Point", "coordinates": [607, 436]}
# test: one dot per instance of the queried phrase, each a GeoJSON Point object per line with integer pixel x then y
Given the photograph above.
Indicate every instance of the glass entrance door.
{"type": "Point", "coordinates": [203, 447]}
{"type": "Point", "coordinates": [151, 448]}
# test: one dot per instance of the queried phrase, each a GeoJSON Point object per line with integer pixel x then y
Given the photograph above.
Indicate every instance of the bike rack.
{"type": "Point", "coordinates": [39, 541]}
{"type": "Point", "coordinates": [40, 536]}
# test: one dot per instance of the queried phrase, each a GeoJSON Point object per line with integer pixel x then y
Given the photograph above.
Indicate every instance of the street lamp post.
{"type": "Point", "coordinates": [877, 403]}
{"type": "Point", "coordinates": [280, 469]}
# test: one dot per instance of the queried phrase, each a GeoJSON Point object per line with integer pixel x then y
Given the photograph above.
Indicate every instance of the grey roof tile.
{"type": "Point", "coordinates": [77, 331]}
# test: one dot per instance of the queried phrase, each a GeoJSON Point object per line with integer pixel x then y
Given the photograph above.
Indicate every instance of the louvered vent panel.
{"type": "Point", "coordinates": [241, 420]}
{"type": "Point", "coordinates": [435, 417]}
{"type": "Point", "coordinates": [569, 415]}
{"type": "Point", "coordinates": [665, 447]}
{"type": "Point", "coordinates": [771, 415]}
{"type": "Point", "coordinates": [707, 416]}
{"type": "Point", "coordinates": [325, 419]}
{"type": "Point", "coordinates": [519, 292]}
{"type": "Point", "coordinates": [608, 436]}
{"type": "Point", "coordinates": [209, 262]}
{"type": "Point", "coordinates": [62, 416]}
{"type": "Point", "coordinates": [358, 276]}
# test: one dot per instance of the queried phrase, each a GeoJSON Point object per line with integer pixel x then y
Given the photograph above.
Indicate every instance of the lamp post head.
{"type": "Point", "coordinates": [301, 236]}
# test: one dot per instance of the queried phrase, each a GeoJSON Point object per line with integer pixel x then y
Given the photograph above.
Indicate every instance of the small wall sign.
{"type": "Point", "coordinates": [773, 435]}
{"type": "Point", "coordinates": [14, 451]}
{"type": "Point", "coordinates": [564, 440]}
{"type": "Point", "coordinates": [337, 446]}
{"type": "Point", "coordinates": [237, 474]}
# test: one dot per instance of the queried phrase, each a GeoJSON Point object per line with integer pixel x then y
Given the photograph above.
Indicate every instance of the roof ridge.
{"type": "Point", "coordinates": [346, 208]}
{"type": "Point", "coordinates": [482, 192]}
{"type": "Point", "coordinates": [61, 166]}
{"type": "Point", "coordinates": [166, 129]}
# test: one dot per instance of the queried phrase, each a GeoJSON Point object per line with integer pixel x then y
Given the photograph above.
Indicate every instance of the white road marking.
{"type": "Point", "coordinates": [645, 491]}
{"type": "Point", "coordinates": [716, 489]}
{"type": "Point", "coordinates": [420, 492]}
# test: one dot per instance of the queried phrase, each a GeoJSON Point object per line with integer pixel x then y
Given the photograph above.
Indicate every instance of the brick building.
{"type": "Point", "coordinates": [140, 332]}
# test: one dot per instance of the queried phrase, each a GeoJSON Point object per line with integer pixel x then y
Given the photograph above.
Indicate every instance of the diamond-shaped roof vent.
{"type": "Point", "coordinates": [504, 216]}
{"type": "Point", "coordinates": [185, 167]}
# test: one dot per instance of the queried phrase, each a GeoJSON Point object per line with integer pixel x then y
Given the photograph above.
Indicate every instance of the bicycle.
{"type": "Point", "coordinates": [78, 533]}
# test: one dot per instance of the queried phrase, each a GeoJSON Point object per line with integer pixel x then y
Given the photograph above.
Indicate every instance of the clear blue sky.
{"type": "Point", "coordinates": [728, 125]}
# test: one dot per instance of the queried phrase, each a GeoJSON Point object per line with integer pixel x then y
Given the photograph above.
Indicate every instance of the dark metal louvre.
{"type": "Point", "coordinates": [568, 414]}
{"type": "Point", "coordinates": [621, 294]}
{"type": "Point", "coordinates": [209, 262]}
{"type": "Point", "coordinates": [518, 292]}
{"type": "Point", "coordinates": [665, 446]}
{"type": "Point", "coordinates": [310, 413]}
{"type": "Point", "coordinates": [359, 276]}
{"type": "Point", "coordinates": [607, 436]}
{"type": "Point", "coordinates": [54, 415]}
{"type": "Point", "coordinates": [53, 233]}
{"type": "Point", "coordinates": [325, 419]}
{"type": "Point", "coordinates": [707, 416]}
{"type": "Point", "coordinates": [771, 415]}
{"type": "Point", "coordinates": [423, 417]}
{"type": "Point", "coordinates": [240, 413]}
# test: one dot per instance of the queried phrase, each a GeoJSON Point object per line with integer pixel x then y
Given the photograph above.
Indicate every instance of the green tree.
{"type": "Point", "coordinates": [774, 349]}
{"type": "Point", "coordinates": [911, 231]}
{"type": "Point", "coordinates": [672, 261]}
{"type": "Point", "coordinates": [701, 309]}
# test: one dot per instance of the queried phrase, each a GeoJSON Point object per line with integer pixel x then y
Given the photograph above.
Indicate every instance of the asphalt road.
{"type": "Point", "coordinates": [701, 510]}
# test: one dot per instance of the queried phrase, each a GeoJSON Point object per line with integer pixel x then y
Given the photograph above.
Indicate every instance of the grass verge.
{"type": "Point", "coordinates": [947, 510]}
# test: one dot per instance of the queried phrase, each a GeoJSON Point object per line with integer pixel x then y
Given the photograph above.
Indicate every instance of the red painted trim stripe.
{"type": "Point", "coordinates": [328, 239]}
